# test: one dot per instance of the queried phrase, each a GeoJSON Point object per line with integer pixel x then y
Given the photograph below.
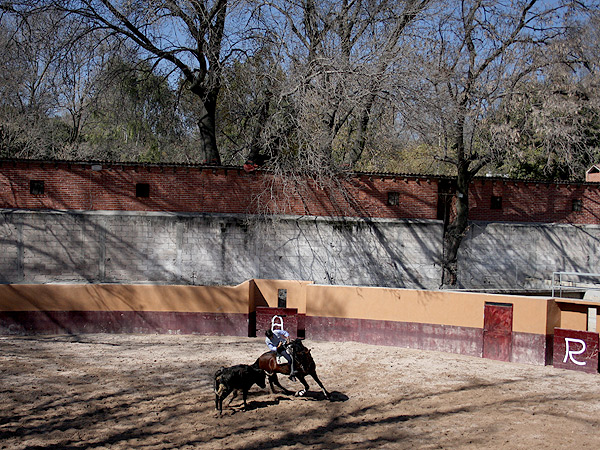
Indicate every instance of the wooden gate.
{"type": "Point", "coordinates": [497, 331]}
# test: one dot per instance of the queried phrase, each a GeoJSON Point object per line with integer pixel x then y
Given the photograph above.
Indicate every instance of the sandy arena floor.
{"type": "Point", "coordinates": [155, 392]}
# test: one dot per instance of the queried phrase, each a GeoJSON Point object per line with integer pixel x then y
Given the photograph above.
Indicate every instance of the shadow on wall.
{"type": "Point", "coordinates": [40, 247]}
{"type": "Point", "coordinates": [222, 249]}
{"type": "Point", "coordinates": [493, 254]}
{"type": "Point", "coordinates": [351, 252]}
{"type": "Point", "coordinates": [55, 246]}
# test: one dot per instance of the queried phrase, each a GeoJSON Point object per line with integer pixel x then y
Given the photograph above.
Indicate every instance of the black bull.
{"type": "Point", "coordinates": [304, 365]}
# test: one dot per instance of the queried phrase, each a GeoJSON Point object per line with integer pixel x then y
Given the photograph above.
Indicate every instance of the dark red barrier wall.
{"type": "Point", "coordinates": [75, 322]}
{"type": "Point", "coordinates": [576, 350]}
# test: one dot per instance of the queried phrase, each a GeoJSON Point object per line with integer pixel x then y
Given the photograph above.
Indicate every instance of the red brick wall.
{"type": "Point", "coordinates": [193, 189]}
{"type": "Point", "coordinates": [231, 190]}
{"type": "Point", "coordinates": [535, 202]}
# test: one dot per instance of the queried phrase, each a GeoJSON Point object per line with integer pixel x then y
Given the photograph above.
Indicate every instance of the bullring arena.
{"type": "Point", "coordinates": [107, 391]}
{"type": "Point", "coordinates": [122, 367]}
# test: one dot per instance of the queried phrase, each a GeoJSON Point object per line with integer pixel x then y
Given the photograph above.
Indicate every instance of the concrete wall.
{"type": "Point", "coordinates": [212, 249]}
{"type": "Point", "coordinates": [215, 249]}
{"type": "Point", "coordinates": [429, 320]}
{"type": "Point", "coordinates": [523, 256]}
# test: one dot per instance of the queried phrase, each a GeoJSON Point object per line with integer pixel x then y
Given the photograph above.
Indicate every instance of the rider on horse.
{"type": "Point", "coordinates": [276, 341]}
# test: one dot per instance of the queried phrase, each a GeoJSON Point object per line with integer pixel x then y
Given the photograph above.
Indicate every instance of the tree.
{"type": "Point", "coordinates": [190, 37]}
{"type": "Point", "coordinates": [477, 55]}
{"type": "Point", "coordinates": [32, 52]}
{"type": "Point", "coordinates": [337, 60]}
{"type": "Point", "coordinates": [132, 114]}
{"type": "Point", "coordinates": [555, 118]}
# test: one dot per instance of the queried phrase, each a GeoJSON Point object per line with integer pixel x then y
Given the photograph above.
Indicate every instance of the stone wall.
{"type": "Point", "coordinates": [216, 249]}
{"type": "Point", "coordinates": [139, 247]}
{"type": "Point", "coordinates": [524, 256]}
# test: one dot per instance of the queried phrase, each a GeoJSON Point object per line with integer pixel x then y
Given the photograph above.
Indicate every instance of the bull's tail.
{"type": "Point", "coordinates": [218, 374]}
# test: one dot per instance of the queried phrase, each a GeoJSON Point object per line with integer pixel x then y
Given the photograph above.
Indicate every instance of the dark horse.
{"type": "Point", "coordinates": [304, 365]}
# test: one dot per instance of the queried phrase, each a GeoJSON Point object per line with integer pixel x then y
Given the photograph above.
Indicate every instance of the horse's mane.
{"type": "Point", "coordinates": [297, 346]}
{"type": "Point", "coordinates": [300, 352]}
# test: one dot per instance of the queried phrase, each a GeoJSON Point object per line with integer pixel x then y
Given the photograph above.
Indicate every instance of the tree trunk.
{"type": "Point", "coordinates": [356, 151]}
{"type": "Point", "coordinates": [255, 157]}
{"type": "Point", "coordinates": [76, 127]}
{"type": "Point", "coordinates": [455, 232]}
{"type": "Point", "coordinates": [209, 153]}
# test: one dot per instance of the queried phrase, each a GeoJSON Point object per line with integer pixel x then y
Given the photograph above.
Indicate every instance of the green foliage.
{"type": "Point", "coordinates": [134, 115]}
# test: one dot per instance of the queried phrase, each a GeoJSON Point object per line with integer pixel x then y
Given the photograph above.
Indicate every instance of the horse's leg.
{"type": "Point", "coordinates": [302, 392]}
{"type": "Point", "coordinates": [274, 380]}
{"type": "Point", "coordinates": [316, 378]}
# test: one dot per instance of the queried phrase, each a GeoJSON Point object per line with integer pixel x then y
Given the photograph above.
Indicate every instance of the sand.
{"type": "Point", "coordinates": [156, 392]}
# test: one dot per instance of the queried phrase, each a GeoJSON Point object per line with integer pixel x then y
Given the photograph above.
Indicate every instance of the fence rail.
{"type": "Point", "coordinates": [565, 281]}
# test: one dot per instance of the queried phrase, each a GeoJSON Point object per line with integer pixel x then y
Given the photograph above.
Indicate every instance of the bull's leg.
{"type": "Point", "coordinates": [221, 395]}
{"type": "Point", "coordinates": [244, 396]}
{"type": "Point", "coordinates": [219, 389]}
{"type": "Point", "coordinates": [302, 392]}
{"type": "Point", "coordinates": [316, 378]}
{"type": "Point", "coordinates": [235, 394]}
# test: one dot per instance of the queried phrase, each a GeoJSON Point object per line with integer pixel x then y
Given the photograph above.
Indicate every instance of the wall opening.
{"type": "Point", "coordinates": [282, 298]}
{"type": "Point", "coordinates": [393, 198]}
{"type": "Point", "coordinates": [142, 190]}
{"type": "Point", "coordinates": [496, 202]}
{"type": "Point", "coordinates": [36, 187]}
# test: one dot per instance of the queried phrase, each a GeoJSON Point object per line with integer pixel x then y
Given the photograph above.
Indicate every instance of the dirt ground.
{"type": "Point", "coordinates": [155, 392]}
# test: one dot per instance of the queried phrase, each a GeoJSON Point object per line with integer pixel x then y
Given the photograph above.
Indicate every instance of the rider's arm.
{"type": "Point", "coordinates": [270, 345]}
{"type": "Point", "coordinates": [283, 333]}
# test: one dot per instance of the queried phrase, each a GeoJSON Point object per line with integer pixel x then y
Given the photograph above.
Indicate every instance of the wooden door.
{"type": "Point", "coordinates": [497, 331]}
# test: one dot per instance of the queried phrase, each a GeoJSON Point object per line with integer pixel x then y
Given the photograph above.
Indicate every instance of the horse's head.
{"type": "Point", "coordinates": [296, 347]}
{"type": "Point", "coordinates": [298, 351]}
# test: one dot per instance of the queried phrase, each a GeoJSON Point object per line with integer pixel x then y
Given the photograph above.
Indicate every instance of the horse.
{"type": "Point", "coordinates": [304, 365]}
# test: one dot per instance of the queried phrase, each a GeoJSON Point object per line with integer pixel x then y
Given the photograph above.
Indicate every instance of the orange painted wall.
{"type": "Point", "coordinates": [105, 297]}
{"type": "Point", "coordinates": [574, 313]}
{"type": "Point", "coordinates": [267, 291]}
{"type": "Point", "coordinates": [464, 309]}
{"type": "Point", "coordinates": [538, 315]}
